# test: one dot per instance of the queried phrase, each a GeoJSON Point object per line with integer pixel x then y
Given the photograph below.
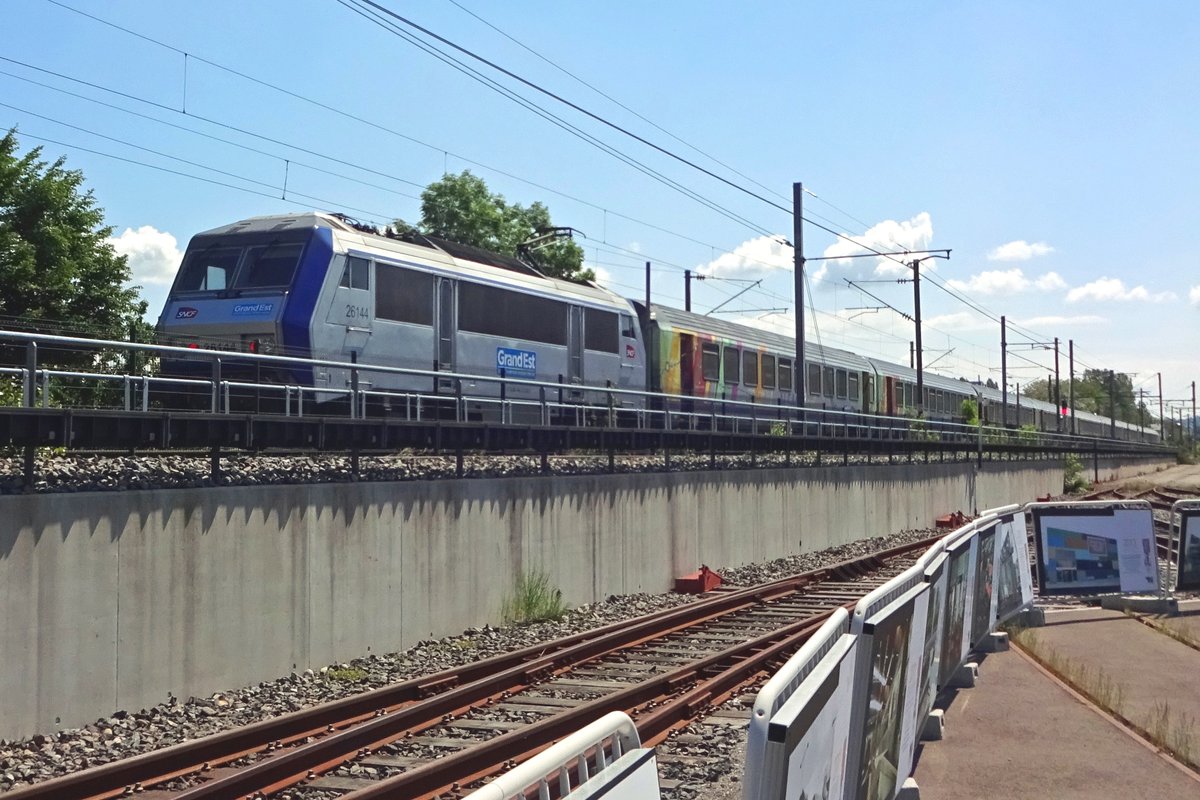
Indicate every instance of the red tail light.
{"type": "Point", "coordinates": [193, 346]}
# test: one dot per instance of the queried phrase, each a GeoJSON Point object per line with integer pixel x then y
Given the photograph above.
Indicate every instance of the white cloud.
{"type": "Point", "coordinates": [993, 282]}
{"type": "Point", "coordinates": [1194, 295]}
{"type": "Point", "coordinates": [959, 322]}
{"type": "Point", "coordinates": [1112, 289]}
{"type": "Point", "coordinates": [1050, 282]}
{"type": "Point", "coordinates": [751, 259]}
{"type": "Point", "coordinates": [1020, 250]}
{"type": "Point", "coordinates": [153, 254]}
{"type": "Point", "coordinates": [889, 235]}
{"type": "Point", "coordinates": [1055, 321]}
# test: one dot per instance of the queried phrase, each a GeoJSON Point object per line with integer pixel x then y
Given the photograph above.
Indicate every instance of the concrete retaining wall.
{"type": "Point", "coordinates": [115, 600]}
{"type": "Point", "coordinates": [1111, 469]}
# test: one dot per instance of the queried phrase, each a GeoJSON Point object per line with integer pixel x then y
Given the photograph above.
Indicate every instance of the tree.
{"type": "Point", "coordinates": [60, 274]}
{"type": "Point", "coordinates": [462, 209]}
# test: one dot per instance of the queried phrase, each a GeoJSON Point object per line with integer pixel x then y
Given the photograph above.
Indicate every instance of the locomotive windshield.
{"type": "Point", "coordinates": [217, 266]}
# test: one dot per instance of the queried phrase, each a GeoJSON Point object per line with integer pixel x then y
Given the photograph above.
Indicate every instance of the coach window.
{"type": "Point", "coordinates": [899, 392]}
{"type": "Point", "coordinates": [730, 358]}
{"type": "Point", "coordinates": [768, 371]}
{"type": "Point", "coordinates": [814, 379]}
{"type": "Point", "coordinates": [710, 361]}
{"type": "Point", "coordinates": [829, 382]}
{"type": "Point", "coordinates": [357, 274]}
{"type": "Point", "coordinates": [401, 295]}
{"type": "Point", "coordinates": [785, 375]}
{"type": "Point", "coordinates": [511, 315]}
{"type": "Point", "coordinates": [749, 368]}
{"type": "Point", "coordinates": [908, 395]}
{"type": "Point", "coordinates": [854, 386]}
{"type": "Point", "coordinates": [600, 331]}
{"type": "Point", "coordinates": [841, 384]}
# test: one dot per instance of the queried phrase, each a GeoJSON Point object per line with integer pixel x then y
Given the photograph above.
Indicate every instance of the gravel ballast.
{"type": "Point", "coordinates": [114, 473]}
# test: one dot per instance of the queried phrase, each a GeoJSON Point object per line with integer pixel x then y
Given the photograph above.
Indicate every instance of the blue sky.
{"type": "Point", "coordinates": [1052, 146]}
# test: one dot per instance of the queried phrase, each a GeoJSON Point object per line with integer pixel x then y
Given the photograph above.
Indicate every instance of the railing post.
{"type": "Point", "coordinates": [30, 375]}
{"type": "Point", "coordinates": [128, 393]}
{"type": "Point", "coordinates": [225, 395]}
{"type": "Point", "coordinates": [545, 409]}
{"type": "Point", "coordinates": [503, 395]}
{"type": "Point", "coordinates": [46, 388]}
{"type": "Point", "coordinates": [353, 385]}
{"type": "Point", "coordinates": [612, 419]}
{"type": "Point", "coordinates": [216, 385]}
{"type": "Point", "coordinates": [145, 393]}
{"type": "Point", "coordinates": [458, 400]}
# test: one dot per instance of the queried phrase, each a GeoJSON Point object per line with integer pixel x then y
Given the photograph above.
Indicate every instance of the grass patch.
{"type": "Point", "coordinates": [346, 674]}
{"type": "Point", "coordinates": [1170, 731]}
{"type": "Point", "coordinates": [534, 599]}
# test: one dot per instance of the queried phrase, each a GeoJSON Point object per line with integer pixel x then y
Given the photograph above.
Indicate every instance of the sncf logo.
{"type": "Point", "coordinates": [187, 312]}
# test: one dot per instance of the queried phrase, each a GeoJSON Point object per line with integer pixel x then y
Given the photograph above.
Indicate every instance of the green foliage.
{"type": "Point", "coordinates": [462, 209]}
{"type": "Point", "coordinates": [60, 272]}
{"type": "Point", "coordinates": [346, 674]}
{"type": "Point", "coordinates": [533, 599]}
{"type": "Point", "coordinates": [970, 411]}
{"type": "Point", "coordinates": [1092, 395]}
{"type": "Point", "coordinates": [1074, 480]}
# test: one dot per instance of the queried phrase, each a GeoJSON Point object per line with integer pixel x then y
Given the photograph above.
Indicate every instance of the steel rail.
{"type": "Point", "coordinates": [374, 713]}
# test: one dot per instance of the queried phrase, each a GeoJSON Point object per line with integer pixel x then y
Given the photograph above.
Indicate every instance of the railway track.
{"type": "Point", "coordinates": [442, 733]}
{"type": "Point", "coordinates": [1160, 499]}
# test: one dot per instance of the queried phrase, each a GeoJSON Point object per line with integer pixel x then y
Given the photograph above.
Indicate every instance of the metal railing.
{"type": "Point", "coordinates": [506, 400]}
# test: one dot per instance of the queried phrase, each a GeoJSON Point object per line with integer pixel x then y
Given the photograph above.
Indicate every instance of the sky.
{"type": "Point", "coordinates": [1051, 147]}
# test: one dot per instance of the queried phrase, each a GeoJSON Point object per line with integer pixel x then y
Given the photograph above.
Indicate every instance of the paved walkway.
{"type": "Point", "coordinates": [1020, 734]}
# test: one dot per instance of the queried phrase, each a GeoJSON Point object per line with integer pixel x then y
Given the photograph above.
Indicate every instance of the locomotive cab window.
{"type": "Point", "coordinates": [731, 361]}
{"type": "Point", "coordinates": [209, 270]}
{"type": "Point", "coordinates": [357, 273]}
{"type": "Point", "coordinates": [710, 361]}
{"type": "Point", "coordinates": [600, 331]}
{"type": "Point", "coordinates": [749, 368]}
{"type": "Point", "coordinates": [402, 295]}
{"type": "Point", "coordinates": [768, 371]}
{"type": "Point", "coordinates": [269, 265]}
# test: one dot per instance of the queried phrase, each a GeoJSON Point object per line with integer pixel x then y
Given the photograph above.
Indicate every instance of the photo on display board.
{"type": "Point", "coordinates": [981, 622]}
{"type": "Point", "coordinates": [1093, 548]}
{"type": "Point", "coordinates": [813, 728]}
{"type": "Point", "coordinates": [1009, 552]}
{"type": "Point", "coordinates": [1188, 575]}
{"type": "Point", "coordinates": [957, 586]}
{"type": "Point", "coordinates": [879, 773]}
{"type": "Point", "coordinates": [937, 576]}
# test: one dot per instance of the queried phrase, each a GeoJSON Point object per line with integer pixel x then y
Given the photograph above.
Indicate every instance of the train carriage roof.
{"type": "Point", "coordinates": [932, 379]}
{"type": "Point", "coordinates": [675, 319]}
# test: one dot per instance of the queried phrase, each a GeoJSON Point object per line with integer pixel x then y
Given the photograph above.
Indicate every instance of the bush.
{"type": "Point", "coordinates": [534, 599]}
{"type": "Point", "coordinates": [1073, 477]}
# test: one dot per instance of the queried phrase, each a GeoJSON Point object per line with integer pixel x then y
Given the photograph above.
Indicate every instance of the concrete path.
{"type": "Point", "coordinates": [1020, 734]}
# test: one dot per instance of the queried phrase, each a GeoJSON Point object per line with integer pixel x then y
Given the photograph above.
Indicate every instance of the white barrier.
{"type": "Point", "coordinates": [842, 718]}
{"type": "Point", "coordinates": [607, 758]}
{"type": "Point", "coordinates": [775, 732]}
{"type": "Point", "coordinates": [1185, 543]}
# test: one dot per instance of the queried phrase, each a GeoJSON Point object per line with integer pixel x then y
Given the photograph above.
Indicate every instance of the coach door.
{"type": "Point", "coordinates": [446, 326]}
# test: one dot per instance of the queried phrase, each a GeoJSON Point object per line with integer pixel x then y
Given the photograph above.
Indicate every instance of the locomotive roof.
{"type": "Point", "coordinates": [436, 252]}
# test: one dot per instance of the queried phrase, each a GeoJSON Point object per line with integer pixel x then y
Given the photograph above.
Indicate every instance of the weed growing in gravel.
{"type": "Point", "coordinates": [346, 674]}
{"type": "Point", "coordinates": [534, 599]}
